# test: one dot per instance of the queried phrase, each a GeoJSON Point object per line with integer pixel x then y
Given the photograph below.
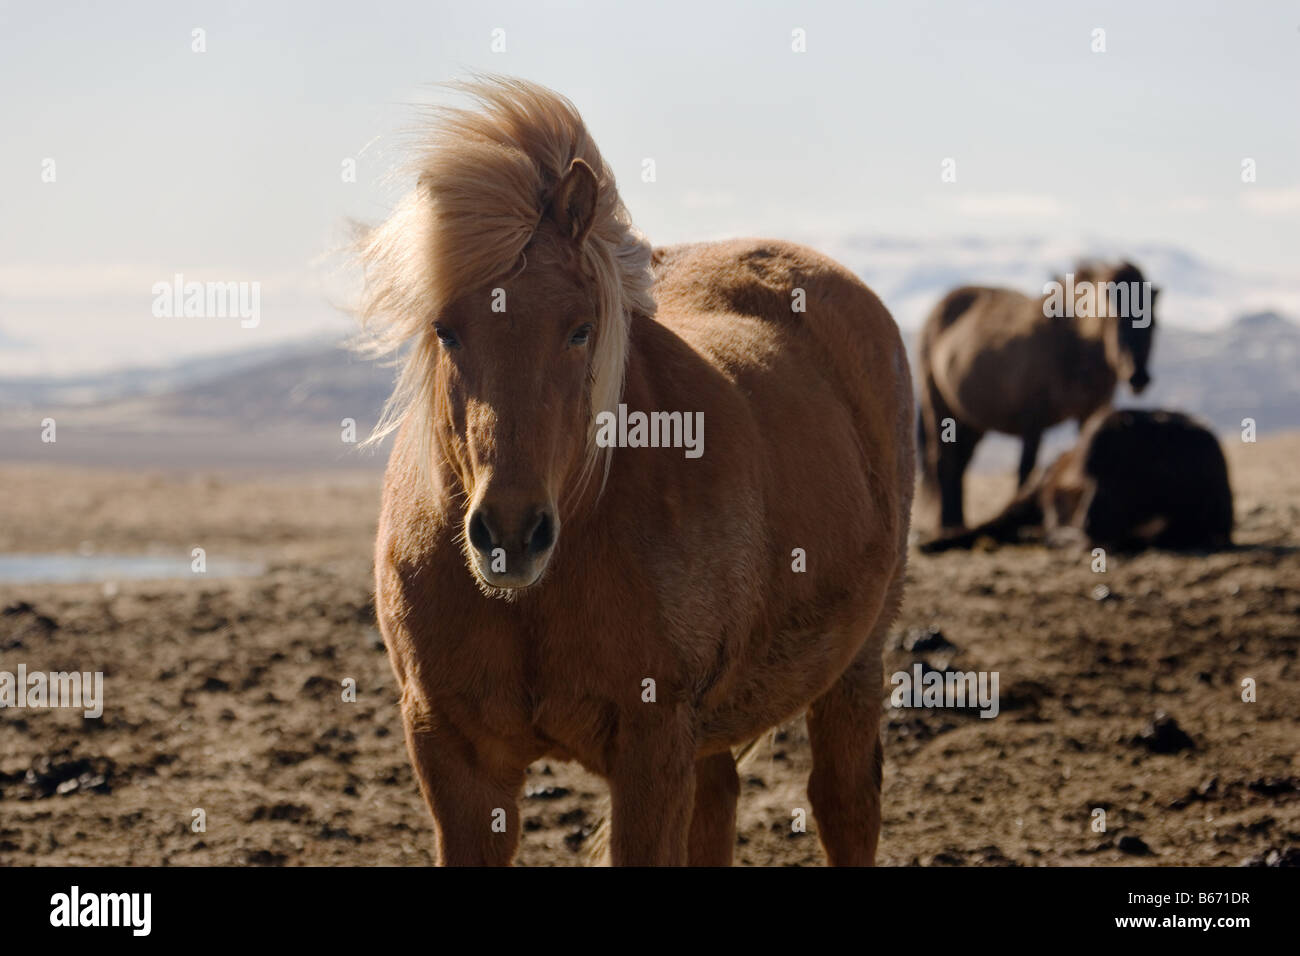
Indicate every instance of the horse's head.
{"type": "Point", "coordinates": [509, 276]}
{"type": "Point", "coordinates": [515, 368]}
{"type": "Point", "coordinates": [1132, 332]}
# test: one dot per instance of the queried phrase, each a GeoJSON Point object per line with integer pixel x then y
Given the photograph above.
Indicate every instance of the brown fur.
{"type": "Point", "coordinates": [673, 569]}
{"type": "Point", "coordinates": [1135, 479]}
{"type": "Point", "coordinates": [992, 360]}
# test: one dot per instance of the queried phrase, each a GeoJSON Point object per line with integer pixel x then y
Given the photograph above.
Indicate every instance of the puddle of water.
{"type": "Point", "coordinates": [71, 568]}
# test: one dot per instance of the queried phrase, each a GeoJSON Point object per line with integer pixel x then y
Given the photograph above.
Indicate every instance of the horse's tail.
{"type": "Point", "coordinates": [948, 310]}
{"type": "Point", "coordinates": [746, 752]}
{"type": "Point", "coordinates": [596, 849]}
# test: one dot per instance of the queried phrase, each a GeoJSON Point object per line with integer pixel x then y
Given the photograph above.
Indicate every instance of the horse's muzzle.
{"type": "Point", "coordinates": [511, 552]}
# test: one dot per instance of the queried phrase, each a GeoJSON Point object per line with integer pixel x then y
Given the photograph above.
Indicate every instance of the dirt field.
{"type": "Point", "coordinates": [225, 695]}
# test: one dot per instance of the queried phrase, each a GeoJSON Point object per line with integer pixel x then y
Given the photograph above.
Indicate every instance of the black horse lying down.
{"type": "Point", "coordinates": [1135, 479]}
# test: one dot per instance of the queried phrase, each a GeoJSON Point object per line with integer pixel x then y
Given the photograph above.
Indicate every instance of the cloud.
{"type": "Point", "coordinates": [1272, 202]}
{"type": "Point", "coordinates": [1004, 205]}
{"type": "Point", "coordinates": [83, 283]}
{"type": "Point", "coordinates": [696, 199]}
{"type": "Point", "coordinates": [1188, 204]}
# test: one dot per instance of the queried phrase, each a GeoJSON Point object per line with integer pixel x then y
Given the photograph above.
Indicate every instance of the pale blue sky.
{"type": "Point", "coordinates": [225, 165]}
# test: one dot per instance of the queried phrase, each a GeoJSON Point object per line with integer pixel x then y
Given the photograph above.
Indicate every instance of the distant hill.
{"type": "Point", "coordinates": [133, 381]}
{"type": "Point", "coordinates": [1248, 370]}
{"type": "Point", "coordinates": [283, 408]}
{"type": "Point", "coordinates": [276, 408]}
{"type": "Point", "coordinates": [323, 384]}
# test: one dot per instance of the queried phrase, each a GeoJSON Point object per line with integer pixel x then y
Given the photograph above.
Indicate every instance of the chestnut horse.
{"type": "Point", "coordinates": [639, 609]}
{"type": "Point", "coordinates": [996, 360]}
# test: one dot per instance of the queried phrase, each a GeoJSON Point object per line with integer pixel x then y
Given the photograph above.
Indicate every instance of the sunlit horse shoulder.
{"type": "Point", "coordinates": [637, 609]}
{"type": "Point", "coordinates": [994, 360]}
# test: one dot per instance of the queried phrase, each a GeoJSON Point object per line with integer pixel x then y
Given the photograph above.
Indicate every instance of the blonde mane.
{"type": "Point", "coordinates": [484, 178]}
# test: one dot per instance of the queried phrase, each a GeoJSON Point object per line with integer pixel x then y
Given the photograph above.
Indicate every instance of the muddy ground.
{"type": "Point", "coordinates": [225, 695]}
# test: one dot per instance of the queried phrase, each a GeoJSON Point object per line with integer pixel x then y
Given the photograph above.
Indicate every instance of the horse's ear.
{"type": "Point", "coordinates": [574, 205]}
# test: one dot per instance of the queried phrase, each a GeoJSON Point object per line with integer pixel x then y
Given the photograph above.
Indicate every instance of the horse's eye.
{"type": "Point", "coordinates": [447, 337]}
{"type": "Point", "coordinates": [581, 336]}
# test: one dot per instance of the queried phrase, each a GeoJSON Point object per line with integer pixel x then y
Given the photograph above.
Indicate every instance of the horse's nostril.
{"type": "Point", "coordinates": [542, 534]}
{"type": "Point", "coordinates": [480, 535]}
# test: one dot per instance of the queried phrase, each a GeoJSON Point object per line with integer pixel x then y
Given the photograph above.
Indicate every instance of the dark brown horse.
{"type": "Point", "coordinates": [1135, 479]}
{"type": "Point", "coordinates": [996, 360]}
{"type": "Point", "coordinates": [562, 569]}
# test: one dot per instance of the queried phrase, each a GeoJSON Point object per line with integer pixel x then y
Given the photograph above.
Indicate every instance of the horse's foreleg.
{"type": "Point", "coordinates": [713, 821]}
{"type": "Point", "coordinates": [652, 786]}
{"type": "Point", "coordinates": [472, 792]}
{"type": "Point", "coordinates": [1028, 456]}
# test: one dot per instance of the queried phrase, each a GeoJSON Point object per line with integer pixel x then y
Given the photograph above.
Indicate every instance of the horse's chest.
{"type": "Point", "coordinates": [549, 687]}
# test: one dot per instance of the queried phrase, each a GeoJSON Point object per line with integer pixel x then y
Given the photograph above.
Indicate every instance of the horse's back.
{"type": "Point", "coordinates": [956, 304]}
{"type": "Point", "coordinates": [979, 315]}
{"type": "Point", "coordinates": [768, 279]}
{"type": "Point", "coordinates": [769, 296]}
{"type": "Point", "coordinates": [795, 299]}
